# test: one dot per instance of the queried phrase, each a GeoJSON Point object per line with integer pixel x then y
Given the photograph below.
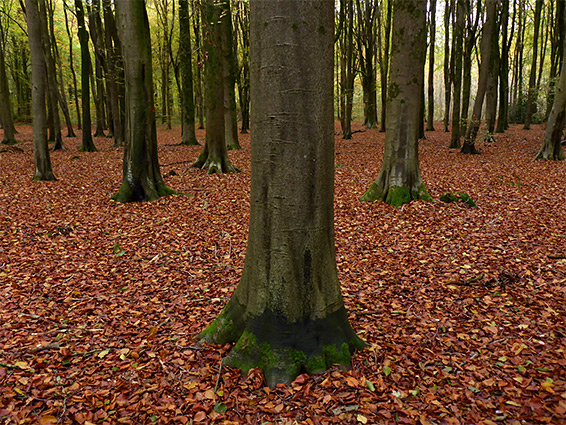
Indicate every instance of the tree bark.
{"type": "Point", "coordinates": [430, 115]}
{"type": "Point", "coordinates": [99, 92]}
{"type": "Point", "coordinates": [243, 75]}
{"type": "Point", "coordinates": [533, 90]}
{"type": "Point", "coordinates": [399, 180]}
{"type": "Point", "coordinates": [42, 161]}
{"type": "Point", "coordinates": [502, 120]}
{"type": "Point", "coordinates": [287, 315]}
{"type": "Point", "coordinates": [188, 135]}
{"type": "Point", "coordinates": [72, 66]}
{"type": "Point", "coordinates": [384, 63]}
{"type": "Point", "coordinates": [487, 37]}
{"type": "Point", "coordinates": [87, 141]}
{"type": "Point", "coordinates": [5, 103]}
{"type": "Point", "coordinates": [492, 85]}
{"type": "Point", "coordinates": [142, 179]}
{"type": "Point", "coordinates": [447, 73]}
{"type": "Point", "coordinates": [457, 40]}
{"type": "Point", "coordinates": [214, 157]}
{"type": "Point", "coordinates": [229, 77]}
{"type": "Point", "coordinates": [348, 73]}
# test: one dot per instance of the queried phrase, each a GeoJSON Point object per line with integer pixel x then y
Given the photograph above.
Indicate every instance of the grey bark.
{"type": "Point", "coordinates": [430, 115]}
{"type": "Point", "coordinates": [399, 180]}
{"type": "Point", "coordinates": [457, 40]}
{"type": "Point", "coordinates": [188, 135]}
{"type": "Point", "coordinates": [5, 103]}
{"type": "Point", "coordinates": [288, 300]}
{"type": "Point", "coordinates": [533, 90]}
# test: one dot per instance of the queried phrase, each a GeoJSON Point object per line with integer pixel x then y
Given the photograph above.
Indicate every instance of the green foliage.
{"type": "Point", "coordinates": [462, 197]}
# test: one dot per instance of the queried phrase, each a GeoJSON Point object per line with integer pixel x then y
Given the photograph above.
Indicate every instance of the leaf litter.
{"type": "Point", "coordinates": [463, 308]}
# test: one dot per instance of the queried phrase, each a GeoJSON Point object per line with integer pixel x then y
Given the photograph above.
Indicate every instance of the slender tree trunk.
{"type": "Point", "coordinates": [188, 135]}
{"type": "Point", "coordinates": [502, 120]}
{"type": "Point", "coordinates": [349, 72]}
{"type": "Point", "coordinates": [457, 41]}
{"type": "Point", "coordinates": [229, 78]}
{"type": "Point", "coordinates": [288, 301]}
{"type": "Point", "coordinates": [430, 117]}
{"type": "Point", "coordinates": [447, 73]}
{"type": "Point", "coordinates": [43, 170]}
{"type": "Point", "coordinates": [72, 66]}
{"type": "Point", "coordinates": [96, 35]}
{"type": "Point", "coordinates": [142, 180]}
{"type": "Point", "coordinates": [489, 34]}
{"type": "Point", "coordinates": [533, 90]}
{"type": "Point", "coordinates": [5, 103]}
{"type": "Point", "coordinates": [199, 97]}
{"type": "Point", "coordinates": [492, 85]}
{"type": "Point", "coordinates": [399, 180]}
{"type": "Point", "coordinates": [384, 63]}
{"type": "Point", "coordinates": [87, 141]}
{"type": "Point", "coordinates": [214, 157]}
{"type": "Point", "coordinates": [244, 70]}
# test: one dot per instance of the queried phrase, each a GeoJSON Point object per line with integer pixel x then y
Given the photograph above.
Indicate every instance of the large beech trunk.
{"type": "Point", "coordinates": [43, 170]}
{"type": "Point", "coordinates": [142, 180]}
{"type": "Point", "coordinates": [399, 180]}
{"type": "Point", "coordinates": [287, 315]}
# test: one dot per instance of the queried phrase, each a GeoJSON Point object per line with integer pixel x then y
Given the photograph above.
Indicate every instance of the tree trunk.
{"type": "Point", "coordinates": [551, 146]}
{"type": "Point", "coordinates": [188, 135]}
{"type": "Point", "coordinates": [87, 141]}
{"type": "Point", "coordinates": [142, 179]}
{"type": "Point", "coordinates": [502, 121]}
{"type": "Point", "coordinates": [43, 170]}
{"type": "Point", "coordinates": [348, 75]}
{"type": "Point", "coordinates": [489, 34]}
{"type": "Point", "coordinates": [492, 85]}
{"type": "Point", "coordinates": [469, 44]}
{"type": "Point", "coordinates": [72, 66]}
{"type": "Point", "coordinates": [447, 74]}
{"type": "Point", "coordinates": [533, 90]}
{"type": "Point", "coordinates": [384, 63]}
{"type": "Point", "coordinates": [244, 69]}
{"type": "Point", "coordinates": [557, 39]}
{"type": "Point", "coordinates": [96, 33]}
{"type": "Point", "coordinates": [229, 77]}
{"type": "Point", "coordinates": [287, 313]}
{"type": "Point", "coordinates": [399, 180]}
{"type": "Point", "coordinates": [430, 116]}
{"type": "Point", "coordinates": [214, 157]}
{"type": "Point", "coordinates": [51, 75]}
{"type": "Point", "coordinates": [5, 103]}
{"type": "Point", "coordinates": [199, 97]}
{"type": "Point", "coordinates": [457, 40]}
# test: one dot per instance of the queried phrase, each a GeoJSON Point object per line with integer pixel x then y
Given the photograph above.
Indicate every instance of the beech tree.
{"type": "Point", "coordinates": [42, 161]}
{"type": "Point", "coordinates": [287, 315]}
{"type": "Point", "coordinates": [5, 103]}
{"type": "Point", "coordinates": [142, 180]}
{"type": "Point", "coordinates": [532, 94]}
{"type": "Point", "coordinates": [430, 100]}
{"type": "Point", "coordinates": [188, 135]}
{"type": "Point", "coordinates": [457, 41]}
{"type": "Point", "coordinates": [214, 156]}
{"type": "Point", "coordinates": [399, 180]}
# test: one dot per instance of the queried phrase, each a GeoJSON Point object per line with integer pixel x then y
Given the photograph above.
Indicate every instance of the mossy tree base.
{"type": "Point", "coordinates": [396, 195]}
{"type": "Point", "coordinates": [283, 350]}
{"type": "Point", "coordinates": [551, 156]}
{"type": "Point", "coordinates": [215, 165]}
{"type": "Point", "coordinates": [470, 149]}
{"type": "Point", "coordinates": [455, 144]}
{"type": "Point", "coordinates": [9, 141]}
{"type": "Point", "coordinates": [141, 192]}
{"type": "Point", "coordinates": [89, 147]}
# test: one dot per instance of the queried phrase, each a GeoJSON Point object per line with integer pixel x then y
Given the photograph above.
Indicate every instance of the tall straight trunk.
{"type": "Point", "coordinates": [551, 147]}
{"type": "Point", "coordinates": [51, 74]}
{"type": "Point", "coordinates": [432, 41]}
{"type": "Point", "coordinates": [42, 161]}
{"type": "Point", "coordinates": [243, 75]}
{"type": "Point", "coordinates": [469, 44]}
{"type": "Point", "coordinates": [142, 180]}
{"type": "Point", "coordinates": [558, 29]}
{"type": "Point", "coordinates": [399, 180]}
{"type": "Point", "coordinates": [5, 102]}
{"type": "Point", "coordinates": [87, 141]}
{"type": "Point", "coordinates": [188, 135]}
{"type": "Point", "coordinates": [447, 74]}
{"type": "Point", "coordinates": [457, 40]}
{"type": "Point", "coordinates": [96, 34]}
{"type": "Point", "coordinates": [229, 78]}
{"type": "Point", "coordinates": [532, 95]}
{"type": "Point", "coordinates": [489, 34]}
{"type": "Point", "coordinates": [214, 156]}
{"type": "Point", "coordinates": [72, 67]}
{"type": "Point", "coordinates": [492, 85]}
{"type": "Point", "coordinates": [287, 314]}
{"type": "Point", "coordinates": [384, 62]}
{"type": "Point", "coordinates": [349, 72]}
{"type": "Point", "coordinates": [199, 96]}
{"type": "Point", "coordinates": [502, 117]}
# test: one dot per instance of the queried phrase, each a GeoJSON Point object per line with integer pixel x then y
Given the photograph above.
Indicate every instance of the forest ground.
{"type": "Point", "coordinates": [463, 308]}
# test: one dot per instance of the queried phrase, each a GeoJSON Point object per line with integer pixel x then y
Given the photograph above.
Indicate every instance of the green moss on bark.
{"type": "Point", "coordinates": [374, 193]}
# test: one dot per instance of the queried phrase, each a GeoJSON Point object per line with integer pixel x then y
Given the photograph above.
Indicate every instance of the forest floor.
{"type": "Point", "coordinates": [463, 308]}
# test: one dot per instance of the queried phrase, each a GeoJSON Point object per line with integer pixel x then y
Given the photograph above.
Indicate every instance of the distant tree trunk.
{"type": "Point", "coordinates": [457, 40]}
{"type": "Point", "coordinates": [142, 179]}
{"type": "Point", "coordinates": [287, 314]}
{"type": "Point", "coordinates": [447, 71]}
{"type": "Point", "coordinates": [348, 74]}
{"type": "Point", "coordinates": [556, 42]}
{"type": "Point", "coordinates": [533, 90]}
{"type": "Point", "coordinates": [432, 41]}
{"type": "Point", "coordinates": [96, 33]}
{"type": "Point", "coordinates": [489, 34]}
{"type": "Point", "coordinates": [115, 75]}
{"type": "Point", "coordinates": [243, 75]}
{"type": "Point", "coordinates": [399, 180]}
{"type": "Point", "coordinates": [469, 44]}
{"type": "Point", "coordinates": [199, 97]}
{"type": "Point", "coordinates": [51, 75]}
{"type": "Point", "coordinates": [87, 141]}
{"type": "Point", "coordinates": [492, 85]}
{"type": "Point", "coordinates": [43, 170]}
{"type": "Point", "coordinates": [5, 104]}
{"type": "Point", "coordinates": [214, 157]}
{"type": "Point", "coordinates": [229, 77]}
{"type": "Point", "coordinates": [72, 66]}
{"type": "Point", "coordinates": [502, 118]}
{"type": "Point", "coordinates": [188, 135]}
{"type": "Point", "coordinates": [384, 61]}
{"type": "Point", "coordinates": [551, 146]}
